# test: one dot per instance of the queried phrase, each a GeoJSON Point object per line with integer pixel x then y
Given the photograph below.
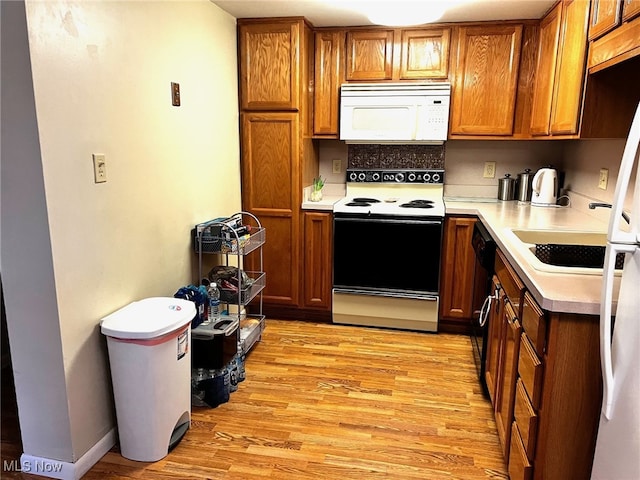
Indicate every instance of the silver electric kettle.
{"type": "Point", "coordinates": [544, 187]}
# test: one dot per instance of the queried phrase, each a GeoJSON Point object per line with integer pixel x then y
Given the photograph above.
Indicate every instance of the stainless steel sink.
{"type": "Point", "coordinates": [562, 251]}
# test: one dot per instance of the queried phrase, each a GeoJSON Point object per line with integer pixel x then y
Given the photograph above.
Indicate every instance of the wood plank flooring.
{"type": "Point", "coordinates": [326, 401]}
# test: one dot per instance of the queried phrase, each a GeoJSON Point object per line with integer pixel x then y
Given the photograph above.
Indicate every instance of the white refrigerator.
{"type": "Point", "coordinates": [617, 455]}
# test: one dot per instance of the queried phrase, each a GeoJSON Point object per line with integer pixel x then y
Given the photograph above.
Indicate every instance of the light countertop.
{"type": "Point", "coordinates": [331, 193]}
{"type": "Point", "coordinates": [556, 292]}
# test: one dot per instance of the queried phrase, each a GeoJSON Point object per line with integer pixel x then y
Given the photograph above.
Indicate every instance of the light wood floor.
{"type": "Point", "coordinates": [335, 402]}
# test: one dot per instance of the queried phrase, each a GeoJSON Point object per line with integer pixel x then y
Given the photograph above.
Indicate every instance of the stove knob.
{"type": "Point", "coordinates": [427, 178]}
{"type": "Point", "coordinates": [375, 176]}
{"type": "Point", "coordinates": [436, 177]}
{"type": "Point", "coordinates": [399, 177]}
{"type": "Point", "coordinates": [412, 177]}
{"type": "Point", "coordinates": [361, 177]}
{"type": "Point", "coordinates": [353, 176]}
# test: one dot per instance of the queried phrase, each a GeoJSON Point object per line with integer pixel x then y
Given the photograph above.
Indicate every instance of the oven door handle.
{"type": "Point", "coordinates": [389, 220]}
{"type": "Point", "coordinates": [383, 293]}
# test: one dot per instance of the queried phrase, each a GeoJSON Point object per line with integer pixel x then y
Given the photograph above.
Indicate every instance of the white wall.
{"type": "Point", "coordinates": [101, 82]}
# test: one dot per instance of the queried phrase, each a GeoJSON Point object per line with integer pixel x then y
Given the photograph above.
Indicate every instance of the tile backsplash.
{"type": "Point", "coordinates": [395, 156]}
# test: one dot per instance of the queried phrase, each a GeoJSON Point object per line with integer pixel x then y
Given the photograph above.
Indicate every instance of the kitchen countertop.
{"type": "Point", "coordinates": [331, 193]}
{"type": "Point", "coordinates": [556, 292]}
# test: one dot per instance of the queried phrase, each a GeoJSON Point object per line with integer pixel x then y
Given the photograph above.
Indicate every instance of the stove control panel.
{"type": "Point", "coordinates": [431, 176]}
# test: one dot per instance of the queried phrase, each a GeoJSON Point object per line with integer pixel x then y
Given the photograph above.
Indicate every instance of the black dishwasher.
{"type": "Point", "coordinates": [485, 251]}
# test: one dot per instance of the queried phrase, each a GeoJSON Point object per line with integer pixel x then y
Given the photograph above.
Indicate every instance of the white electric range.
{"type": "Point", "coordinates": [387, 244]}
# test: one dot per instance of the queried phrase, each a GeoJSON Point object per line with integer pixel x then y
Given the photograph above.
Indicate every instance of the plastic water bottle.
{"type": "Point", "coordinates": [233, 375]}
{"type": "Point", "coordinates": [240, 359]}
{"type": "Point", "coordinates": [213, 295]}
{"type": "Point", "coordinates": [197, 392]}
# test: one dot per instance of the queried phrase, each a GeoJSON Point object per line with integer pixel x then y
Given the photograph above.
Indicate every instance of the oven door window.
{"type": "Point", "coordinates": [387, 255]}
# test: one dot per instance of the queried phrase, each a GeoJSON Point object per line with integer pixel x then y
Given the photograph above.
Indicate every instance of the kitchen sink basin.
{"type": "Point", "coordinates": [563, 251]}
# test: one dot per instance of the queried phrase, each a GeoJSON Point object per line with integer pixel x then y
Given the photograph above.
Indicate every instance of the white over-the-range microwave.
{"type": "Point", "coordinates": [394, 113]}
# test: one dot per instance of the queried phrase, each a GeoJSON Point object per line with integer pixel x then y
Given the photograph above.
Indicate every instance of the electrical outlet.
{"type": "Point", "coordinates": [337, 165]}
{"type": "Point", "coordinates": [603, 178]}
{"type": "Point", "coordinates": [99, 168]}
{"type": "Point", "coordinates": [489, 170]}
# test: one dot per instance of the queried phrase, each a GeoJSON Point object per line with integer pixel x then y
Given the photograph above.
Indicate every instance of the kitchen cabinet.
{"type": "Point", "coordinates": [549, 376]}
{"type": "Point", "coordinates": [557, 96]}
{"type": "Point", "coordinates": [630, 9]}
{"type": "Point", "coordinates": [485, 79]}
{"type": "Point", "coordinates": [318, 258]}
{"type": "Point", "coordinates": [424, 53]}
{"type": "Point", "coordinates": [510, 299]}
{"type": "Point", "coordinates": [493, 342]}
{"type": "Point", "coordinates": [369, 55]}
{"type": "Point", "coordinates": [605, 16]}
{"type": "Point", "coordinates": [329, 75]}
{"type": "Point", "coordinates": [545, 73]}
{"type": "Point", "coordinates": [278, 157]}
{"type": "Point", "coordinates": [456, 282]}
{"type": "Point", "coordinates": [270, 73]}
{"type": "Point", "coordinates": [567, 91]}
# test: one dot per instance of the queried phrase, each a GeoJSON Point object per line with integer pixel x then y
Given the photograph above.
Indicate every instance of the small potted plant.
{"type": "Point", "coordinates": [316, 192]}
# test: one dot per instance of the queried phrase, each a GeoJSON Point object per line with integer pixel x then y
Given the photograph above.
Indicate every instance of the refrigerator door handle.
{"type": "Point", "coordinates": [608, 375]}
{"type": "Point", "coordinates": [615, 233]}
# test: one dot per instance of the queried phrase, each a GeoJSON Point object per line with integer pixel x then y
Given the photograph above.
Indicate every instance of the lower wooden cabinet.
{"type": "Point", "coordinates": [457, 272]}
{"type": "Point", "coordinates": [317, 251]}
{"type": "Point", "coordinates": [545, 384]}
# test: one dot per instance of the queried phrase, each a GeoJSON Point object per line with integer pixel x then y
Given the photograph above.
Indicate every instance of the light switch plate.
{"type": "Point", "coordinates": [99, 168]}
{"type": "Point", "coordinates": [337, 166]}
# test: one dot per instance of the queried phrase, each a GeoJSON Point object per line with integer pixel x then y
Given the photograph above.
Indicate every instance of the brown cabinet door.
{"type": "Point", "coordinates": [493, 342]}
{"type": "Point", "coordinates": [508, 375]}
{"type": "Point", "coordinates": [545, 72]}
{"type": "Point", "coordinates": [567, 93]}
{"type": "Point", "coordinates": [484, 90]}
{"type": "Point", "coordinates": [425, 54]}
{"type": "Point", "coordinates": [329, 55]}
{"type": "Point", "coordinates": [318, 257]}
{"type": "Point", "coordinates": [605, 16]}
{"type": "Point", "coordinates": [270, 191]}
{"type": "Point", "coordinates": [458, 261]}
{"type": "Point", "coordinates": [269, 73]}
{"type": "Point", "coordinates": [630, 9]}
{"type": "Point", "coordinates": [369, 55]}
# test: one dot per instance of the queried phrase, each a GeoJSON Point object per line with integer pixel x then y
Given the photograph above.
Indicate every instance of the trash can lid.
{"type": "Point", "coordinates": [148, 318]}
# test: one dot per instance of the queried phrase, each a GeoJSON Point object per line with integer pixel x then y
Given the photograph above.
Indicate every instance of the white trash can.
{"type": "Point", "coordinates": [150, 358]}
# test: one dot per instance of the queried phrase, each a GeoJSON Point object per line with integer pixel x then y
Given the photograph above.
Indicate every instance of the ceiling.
{"type": "Point", "coordinates": [337, 13]}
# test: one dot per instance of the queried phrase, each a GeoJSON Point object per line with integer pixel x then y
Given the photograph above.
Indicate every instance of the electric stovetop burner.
{"type": "Point", "coordinates": [418, 204]}
{"type": "Point", "coordinates": [362, 202]}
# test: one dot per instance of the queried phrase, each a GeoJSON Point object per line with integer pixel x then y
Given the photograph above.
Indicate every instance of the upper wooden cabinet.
{"type": "Point", "coordinates": [329, 74]}
{"type": "Point", "coordinates": [605, 16]}
{"type": "Point", "coordinates": [630, 9]}
{"type": "Point", "coordinates": [545, 72]}
{"type": "Point", "coordinates": [486, 79]}
{"type": "Point", "coordinates": [425, 54]}
{"type": "Point", "coordinates": [269, 66]}
{"type": "Point", "coordinates": [397, 54]}
{"type": "Point", "coordinates": [570, 68]}
{"type": "Point", "coordinates": [369, 55]}
{"type": "Point", "coordinates": [557, 97]}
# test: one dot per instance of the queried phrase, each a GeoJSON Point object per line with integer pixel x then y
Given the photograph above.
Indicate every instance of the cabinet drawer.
{"type": "Point", "coordinates": [530, 370]}
{"type": "Point", "coordinates": [510, 282]}
{"type": "Point", "coordinates": [527, 420]}
{"type": "Point", "coordinates": [519, 466]}
{"type": "Point", "coordinates": [534, 323]}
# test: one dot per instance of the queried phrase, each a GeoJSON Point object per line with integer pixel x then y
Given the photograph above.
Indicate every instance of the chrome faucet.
{"type": "Point", "coordinates": [593, 206]}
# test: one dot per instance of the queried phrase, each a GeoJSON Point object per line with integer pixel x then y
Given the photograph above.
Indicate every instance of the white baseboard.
{"type": "Point", "coordinates": [47, 467]}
